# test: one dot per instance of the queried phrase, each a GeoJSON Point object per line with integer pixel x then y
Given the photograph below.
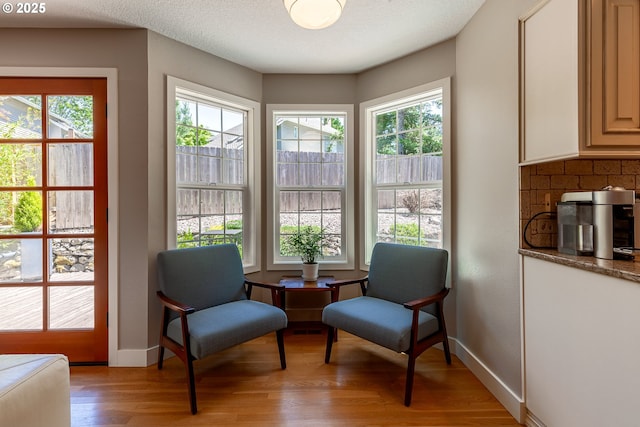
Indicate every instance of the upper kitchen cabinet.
{"type": "Point", "coordinates": [552, 81]}
{"type": "Point", "coordinates": [614, 58]}
{"type": "Point", "coordinates": [579, 80]}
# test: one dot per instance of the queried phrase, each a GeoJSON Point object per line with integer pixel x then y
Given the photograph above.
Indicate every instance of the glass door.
{"type": "Point", "coordinates": [53, 217]}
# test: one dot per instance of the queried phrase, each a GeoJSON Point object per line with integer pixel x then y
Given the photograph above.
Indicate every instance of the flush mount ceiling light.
{"type": "Point", "coordinates": [314, 14]}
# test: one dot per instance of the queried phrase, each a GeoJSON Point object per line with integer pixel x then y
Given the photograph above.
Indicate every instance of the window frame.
{"type": "Point", "coordinates": [251, 207]}
{"type": "Point", "coordinates": [347, 260]}
{"type": "Point", "coordinates": [368, 110]}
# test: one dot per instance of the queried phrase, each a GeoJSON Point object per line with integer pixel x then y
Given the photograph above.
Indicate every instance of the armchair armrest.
{"type": "Point", "coordinates": [337, 284]}
{"type": "Point", "coordinates": [422, 302]}
{"type": "Point", "coordinates": [174, 305]}
{"type": "Point", "coordinates": [415, 307]}
{"type": "Point", "coordinates": [183, 310]}
{"type": "Point", "coordinates": [275, 289]}
{"type": "Point", "coordinates": [264, 285]}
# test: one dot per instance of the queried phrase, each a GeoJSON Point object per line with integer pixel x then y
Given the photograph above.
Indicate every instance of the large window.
{"type": "Point", "coordinates": [311, 180]}
{"type": "Point", "coordinates": [406, 147]}
{"type": "Point", "coordinates": [214, 167]}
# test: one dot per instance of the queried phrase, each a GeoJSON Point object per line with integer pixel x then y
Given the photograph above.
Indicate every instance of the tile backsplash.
{"type": "Point", "coordinates": [555, 178]}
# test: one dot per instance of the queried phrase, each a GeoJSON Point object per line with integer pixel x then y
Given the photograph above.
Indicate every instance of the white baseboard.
{"type": "Point", "coordinates": [510, 400]}
{"type": "Point", "coordinates": [135, 358]}
{"type": "Point", "coordinates": [532, 421]}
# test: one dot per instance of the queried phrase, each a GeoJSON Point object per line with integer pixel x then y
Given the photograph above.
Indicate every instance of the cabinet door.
{"type": "Point", "coordinates": [551, 81]}
{"type": "Point", "coordinates": [615, 73]}
{"type": "Point", "coordinates": [581, 346]}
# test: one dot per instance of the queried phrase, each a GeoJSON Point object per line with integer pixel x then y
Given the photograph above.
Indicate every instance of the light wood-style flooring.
{"type": "Point", "coordinates": [244, 386]}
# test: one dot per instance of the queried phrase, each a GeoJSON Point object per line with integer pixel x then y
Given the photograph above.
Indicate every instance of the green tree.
{"type": "Point", "coordinates": [432, 126]}
{"type": "Point", "coordinates": [408, 128]}
{"type": "Point", "coordinates": [186, 133]}
{"type": "Point", "coordinates": [386, 126]}
{"type": "Point", "coordinates": [411, 130]}
{"type": "Point", "coordinates": [76, 110]}
{"type": "Point", "coordinates": [14, 169]}
{"type": "Point", "coordinates": [16, 160]}
{"type": "Point", "coordinates": [335, 138]}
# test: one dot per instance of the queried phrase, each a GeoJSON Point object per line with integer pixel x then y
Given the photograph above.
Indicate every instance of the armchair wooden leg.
{"type": "Point", "coordinates": [445, 338]}
{"type": "Point", "coordinates": [280, 338]}
{"type": "Point", "coordinates": [164, 325]}
{"type": "Point", "coordinates": [447, 353]}
{"type": "Point", "coordinates": [191, 385]}
{"type": "Point", "coordinates": [160, 356]}
{"type": "Point", "coordinates": [411, 366]}
{"type": "Point", "coordinates": [330, 336]}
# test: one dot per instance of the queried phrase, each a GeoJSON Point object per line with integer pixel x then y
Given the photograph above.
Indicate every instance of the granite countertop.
{"type": "Point", "coordinates": [629, 270]}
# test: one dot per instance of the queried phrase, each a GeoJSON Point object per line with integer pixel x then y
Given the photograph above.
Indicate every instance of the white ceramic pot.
{"type": "Point", "coordinates": [310, 271]}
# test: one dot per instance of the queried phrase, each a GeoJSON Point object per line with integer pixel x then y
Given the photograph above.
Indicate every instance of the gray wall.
{"type": "Point", "coordinates": [168, 57]}
{"type": "Point", "coordinates": [308, 89]}
{"type": "Point", "coordinates": [484, 309]}
{"type": "Point", "coordinates": [483, 312]}
{"type": "Point", "coordinates": [419, 68]}
{"type": "Point", "coordinates": [410, 71]}
{"type": "Point", "coordinates": [485, 199]}
{"type": "Point", "coordinates": [126, 51]}
{"type": "Point", "coordinates": [300, 89]}
{"type": "Point", "coordinates": [143, 59]}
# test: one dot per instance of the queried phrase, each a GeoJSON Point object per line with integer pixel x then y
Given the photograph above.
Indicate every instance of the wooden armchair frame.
{"type": "Point", "coordinates": [417, 347]}
{"type": "Point", "coordinates": [183, 351]}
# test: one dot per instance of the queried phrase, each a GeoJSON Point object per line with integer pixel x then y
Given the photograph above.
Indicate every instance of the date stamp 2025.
{"type": "Point", "coordinates": [32, 8]}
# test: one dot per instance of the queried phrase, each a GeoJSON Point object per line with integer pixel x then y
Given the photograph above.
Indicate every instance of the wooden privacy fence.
{"type": "Point", "coordinates": [405, 168]}
{"type": "Point", "coordinates": [74, 209]}
{"type": "Point", "coordinates": [71, 165]}
{"type": "Point", "coordinates": [408, 168]}
{"type": "Point", "coordinates": [304, 169]}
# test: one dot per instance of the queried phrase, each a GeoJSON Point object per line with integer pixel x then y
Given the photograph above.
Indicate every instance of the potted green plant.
{"type": "Point", "coordinates": [307, 244]}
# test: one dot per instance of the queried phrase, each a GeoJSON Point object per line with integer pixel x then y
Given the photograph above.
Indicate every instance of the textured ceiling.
{"type": "Point", "coordinates": [260, 35]}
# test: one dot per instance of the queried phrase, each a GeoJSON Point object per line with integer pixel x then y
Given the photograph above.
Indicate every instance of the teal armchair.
{"type": "Point", "coordinates": [207, 306]}
{"type": "Point", "coordinates": [401, 307]}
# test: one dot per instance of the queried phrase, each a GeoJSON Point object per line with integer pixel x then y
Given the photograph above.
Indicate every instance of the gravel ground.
{"type": "Point", "coordinates": [332, 223]}
{"type": "Point", "coordinates": [431, 222]}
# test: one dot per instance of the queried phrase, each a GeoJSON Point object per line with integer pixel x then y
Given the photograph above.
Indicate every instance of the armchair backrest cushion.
{"type": "Point", "coordinates": [202, 277]}
{"type": "Point", "coordinates": [402, 273]}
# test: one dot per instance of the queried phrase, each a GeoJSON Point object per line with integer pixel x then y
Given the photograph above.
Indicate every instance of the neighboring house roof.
{"type": "Point", "coordinates": [308, 124]}
{"type": "Point", "coordinates": [237, 137]}
{"type": "Point", "coordinates": [13, 109]}
{"type": "Point", "coordinates": [18, 132]}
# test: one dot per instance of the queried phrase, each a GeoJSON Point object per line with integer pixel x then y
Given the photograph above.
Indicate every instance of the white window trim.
{"type": "Point", "coordinates": [348, 262]}
{"type": "Point", "coordinates": [367, 153]}
{"type": "Point", "coordinates": [251, 262]}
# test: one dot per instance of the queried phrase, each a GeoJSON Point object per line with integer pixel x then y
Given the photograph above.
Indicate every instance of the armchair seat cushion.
{"type": "Point", "coordinates": [223, 326]}
{"type": "Point", "coordinates": [380, 321]}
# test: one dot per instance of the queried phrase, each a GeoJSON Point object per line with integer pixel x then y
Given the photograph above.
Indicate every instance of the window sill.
{"type": "Point", "coordinates": [324, 265]}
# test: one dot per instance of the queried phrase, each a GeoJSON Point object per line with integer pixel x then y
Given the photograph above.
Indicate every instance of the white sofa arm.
{"type": "Point", "coordinates": [34, 390]}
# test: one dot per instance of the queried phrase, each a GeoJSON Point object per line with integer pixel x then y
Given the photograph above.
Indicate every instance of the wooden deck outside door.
{"type": "Point", "coordinates": [53, 217]}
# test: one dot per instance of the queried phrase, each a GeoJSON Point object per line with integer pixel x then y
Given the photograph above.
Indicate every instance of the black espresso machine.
{"type": "Point", "coordinates": [598, 223]}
